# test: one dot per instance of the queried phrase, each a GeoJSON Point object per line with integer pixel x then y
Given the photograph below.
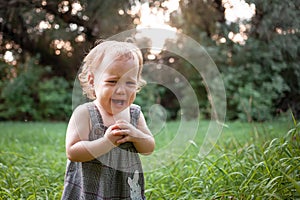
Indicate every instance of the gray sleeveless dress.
{"type": "Point", "coordinates": [115, 175]}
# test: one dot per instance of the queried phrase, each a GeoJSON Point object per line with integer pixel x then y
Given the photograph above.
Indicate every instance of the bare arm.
{"type": "Point", "coordinates": [78, 146]}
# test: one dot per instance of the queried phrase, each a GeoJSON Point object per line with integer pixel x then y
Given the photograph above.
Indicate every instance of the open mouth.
{"type": "Point", "coordinates": [118, 102]}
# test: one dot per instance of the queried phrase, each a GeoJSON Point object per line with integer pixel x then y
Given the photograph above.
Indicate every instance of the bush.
{"type": "Point", "coordinates": [259, 79]}
{"type": "Point", "coordinates": [251, 91]}
{"type": "Point", "coordinates": [19, 95]}
{"type": "Point", "coordinates": [33, 96]}
{"type": "Point", "coordinates": [54, 99]}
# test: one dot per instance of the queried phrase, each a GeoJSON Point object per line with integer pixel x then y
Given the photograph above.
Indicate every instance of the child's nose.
{"type": "Point", "coordinates": [120, 89]}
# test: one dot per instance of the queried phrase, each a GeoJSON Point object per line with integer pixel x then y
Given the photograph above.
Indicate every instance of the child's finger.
{"type": "Point", "coordinates": [123, 140]}
{"type": "Point", "coordinates": [120, 132]}
{"type": "Point", "coordinates": [114, 126]}
{"type": "Point", "coordinates": [123, 125]}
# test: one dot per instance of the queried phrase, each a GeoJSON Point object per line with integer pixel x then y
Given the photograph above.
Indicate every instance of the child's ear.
{"type": "Point", "coordinates": [91, 78]}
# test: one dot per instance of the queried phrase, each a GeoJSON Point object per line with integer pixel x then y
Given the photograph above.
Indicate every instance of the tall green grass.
{"type": "Point", "coordinates": [249, 161]}
{"type": "Point", "coordinates": [32, 160]}
{"type": "Point", "coordinates": [253, 162]}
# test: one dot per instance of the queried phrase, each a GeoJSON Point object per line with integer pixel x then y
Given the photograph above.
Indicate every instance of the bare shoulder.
{"type": "Point", "coordinates": [79, 123]}
{"type": "Point", "coordinates": [81, 111]}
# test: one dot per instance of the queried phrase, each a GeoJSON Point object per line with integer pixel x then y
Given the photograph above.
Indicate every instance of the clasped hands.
{"type": "Point", "coordinates": [123, 131]}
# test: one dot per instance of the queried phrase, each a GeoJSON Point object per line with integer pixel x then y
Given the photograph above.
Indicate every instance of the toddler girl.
{"type": "Point", "coordinates": [104, 136]}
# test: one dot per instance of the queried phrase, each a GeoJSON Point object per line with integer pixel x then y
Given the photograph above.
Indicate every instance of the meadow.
{"type": "Point", "coordinates": [249, 161]}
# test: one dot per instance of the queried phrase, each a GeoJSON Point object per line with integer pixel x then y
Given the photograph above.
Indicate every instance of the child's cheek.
{"type": "Point", "coordinates": [132, 97]}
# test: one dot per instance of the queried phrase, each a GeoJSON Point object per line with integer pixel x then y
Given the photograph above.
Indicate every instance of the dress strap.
{"type": "Point", "coordinates": [93, 113]}
{"type": "Point", "coordinates": [98, 128]}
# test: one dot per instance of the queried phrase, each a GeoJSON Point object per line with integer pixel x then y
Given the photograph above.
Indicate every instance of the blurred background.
{"type": "Point", "coordinates": [254, 43]}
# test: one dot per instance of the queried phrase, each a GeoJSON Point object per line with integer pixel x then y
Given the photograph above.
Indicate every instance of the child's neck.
{"type": "Point", "coordinates": [109, 118]}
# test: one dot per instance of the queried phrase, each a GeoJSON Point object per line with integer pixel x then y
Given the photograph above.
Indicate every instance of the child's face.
{"type": "Point", "coordinates": [116, 86]}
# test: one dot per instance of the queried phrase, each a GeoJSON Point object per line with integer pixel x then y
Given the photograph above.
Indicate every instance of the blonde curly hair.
{"type": "Point", "coordinates": [95, 57]}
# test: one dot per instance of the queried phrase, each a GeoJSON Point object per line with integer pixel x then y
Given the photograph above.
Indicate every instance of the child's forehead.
{"type": "Point", "coordinates": [117, 66]}
{"type": "Point", "coordinates": [111, 53]}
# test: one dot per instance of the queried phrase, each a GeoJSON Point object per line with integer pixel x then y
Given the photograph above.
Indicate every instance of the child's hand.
{"type": "Point", "coordinates": [127, 132]}
{"type": "Point", "coordinates": [114, 134]}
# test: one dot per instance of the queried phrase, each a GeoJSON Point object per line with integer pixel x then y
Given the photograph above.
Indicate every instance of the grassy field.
{"type": "Point", "coordinates": [249, 161]}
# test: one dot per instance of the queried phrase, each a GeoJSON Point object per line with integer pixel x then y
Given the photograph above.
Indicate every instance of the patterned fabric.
{"type": "Point", "coordinates": [115, 175]}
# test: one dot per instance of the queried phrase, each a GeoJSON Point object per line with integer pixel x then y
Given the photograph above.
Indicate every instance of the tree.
{"type": "Point", "coordinates": [276, 27]}
{"type": "Point", "coordinates": [261, 73]}
{"type": "Point", "coordinates": [42, 44]}
{"type": "Point", "coordinates": [61, 32]}
{"type": "Point", "coordinates": [200, 19]}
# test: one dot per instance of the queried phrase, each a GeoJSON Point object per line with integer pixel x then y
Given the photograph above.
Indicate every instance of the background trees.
{"type": "Point", "coordinates": [43, 42]}
{"type": "Point", "coordinates": [261, 73]}
{"type": "Point", "coordinates": [42, 46]}
{"type": "Point", "coordinates": [267, 66]}
{"type": "Point", "coordinates": [60, 32]}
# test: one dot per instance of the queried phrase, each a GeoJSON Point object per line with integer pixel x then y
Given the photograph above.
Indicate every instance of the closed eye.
{"type": "Point", "coordinates": [112, 81]}
{"type": "Point", "coordinates": [130, 83]}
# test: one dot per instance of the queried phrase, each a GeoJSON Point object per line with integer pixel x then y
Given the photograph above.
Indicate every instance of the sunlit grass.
{"type": "Point", "coordinates": [32, 160]}
{"type": "Point", "coordinates": [249, 161]}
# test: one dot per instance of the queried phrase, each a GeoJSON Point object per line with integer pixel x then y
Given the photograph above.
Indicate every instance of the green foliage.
{"type": "Point", "coordinates": [24, 36]}
{"type": "Point", "coordinates": [146, 98]}
{"type": "Point", "coordinates": [252, 90]}
{"type": "Point", "coordinates": [19, 94]}
{"type": "Point", "coordinates": [54, 99]}
{"type": "Point", "coordinates": [31, 96]}
{"type": "Point", "coordinates": [262, 76]}
{"type": "Point", "coordinates": [273, 46]}
{"type": "Point", "coordinates": [149, 97]}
